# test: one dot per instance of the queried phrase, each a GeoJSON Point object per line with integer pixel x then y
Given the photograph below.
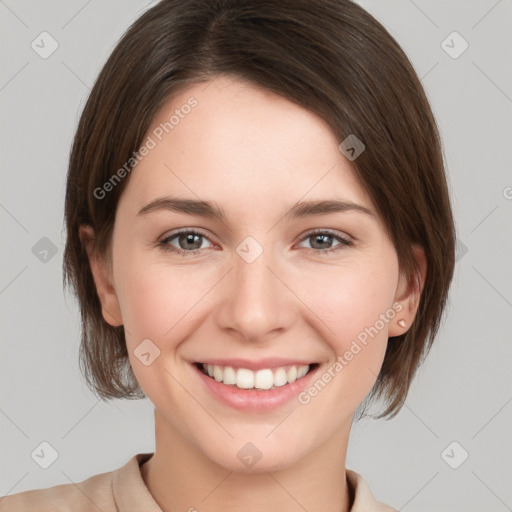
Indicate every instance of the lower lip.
{"type": "Point", "coordinates": [252, 399]}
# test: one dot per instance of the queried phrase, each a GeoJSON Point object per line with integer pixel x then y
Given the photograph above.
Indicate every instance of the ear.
{"type": "Point", "coordinates": [408, 294]}
{"type": "Point", "coordinates": [102, 279]}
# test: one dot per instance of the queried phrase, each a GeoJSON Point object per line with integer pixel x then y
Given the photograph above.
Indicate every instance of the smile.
{"type": "Point", "coordinates": [254, 385]}
{"type": "Point", "coordinates": [262, 379]}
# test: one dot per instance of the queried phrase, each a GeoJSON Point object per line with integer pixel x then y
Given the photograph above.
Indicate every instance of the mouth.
{"type": "Point", "coordinates": [265, 379]}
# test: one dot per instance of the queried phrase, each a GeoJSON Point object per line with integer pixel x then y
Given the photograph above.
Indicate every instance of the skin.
{"type": "Point", "coordinates": [255, 154]}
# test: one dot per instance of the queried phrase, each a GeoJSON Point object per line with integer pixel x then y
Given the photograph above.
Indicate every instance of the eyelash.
{"type": "Point", "coordinates": [344, 242]}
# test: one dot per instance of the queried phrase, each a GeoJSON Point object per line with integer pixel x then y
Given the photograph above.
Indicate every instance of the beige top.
{"type": "Point", "coordinates": [124, 490]}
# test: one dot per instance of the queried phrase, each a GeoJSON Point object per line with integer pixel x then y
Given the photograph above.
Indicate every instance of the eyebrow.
{"type": "Point", "coordinates": [211, 210]}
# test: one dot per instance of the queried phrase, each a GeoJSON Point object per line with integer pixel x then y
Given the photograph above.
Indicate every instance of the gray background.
{"type": "Point", "coordinates": [463, 393]}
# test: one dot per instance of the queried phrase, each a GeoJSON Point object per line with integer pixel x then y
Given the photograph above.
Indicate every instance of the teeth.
{"type": "Point", "coordinates": [244, 378]}
{"type": "Point", "coordinates": [301, 371]}
{"type": "Point", "coordinates": [280, 378]}
{"type": "Point", "coordinates": [262, 379]}
{"type": "Point", "coordinates": [218, 374]}
{"type": "Point", "coordinates": [291, 374]}
{"type": "Point", "coordinates": [229, 376]}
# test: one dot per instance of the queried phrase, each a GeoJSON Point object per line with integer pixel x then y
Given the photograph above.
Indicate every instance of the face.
{"type": "Point", "coordinates": [265, 287]}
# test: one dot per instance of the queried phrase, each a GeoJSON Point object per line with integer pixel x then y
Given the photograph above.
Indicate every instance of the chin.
{"type": "Point", "coordinates": [261, 455]}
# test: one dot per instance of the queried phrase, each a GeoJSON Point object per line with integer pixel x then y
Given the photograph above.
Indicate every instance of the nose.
{"type": "Point", "coordinates": [257, 304]}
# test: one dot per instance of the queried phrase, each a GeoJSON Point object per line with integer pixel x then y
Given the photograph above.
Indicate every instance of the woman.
{"type": "Point", "coordinates": [292, 146]}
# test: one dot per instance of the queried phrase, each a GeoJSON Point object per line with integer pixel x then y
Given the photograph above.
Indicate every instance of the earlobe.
{"type": "Point", "coordinates": [408, 295]}
{"type": "Point", "coordinates": [102, 279]}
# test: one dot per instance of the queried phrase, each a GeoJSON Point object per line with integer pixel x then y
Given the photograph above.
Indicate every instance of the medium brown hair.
{"type": "Point", "coordinates": [329, 56]}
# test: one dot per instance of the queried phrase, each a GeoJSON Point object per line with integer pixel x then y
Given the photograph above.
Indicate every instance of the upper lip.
{"type": "Point", "coordinates": [251, 364]}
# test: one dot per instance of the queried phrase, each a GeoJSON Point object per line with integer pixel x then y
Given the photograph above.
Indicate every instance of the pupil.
{"type": "Point", "coordinates": [321, 238]}
{"type": "Point", "coordinates": [189, 238]}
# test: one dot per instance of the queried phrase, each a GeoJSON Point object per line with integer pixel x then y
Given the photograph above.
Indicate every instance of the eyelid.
{"type": "Point", "coordinates": [191, 230]}
{"type": "Point", "coordinates": [334, 233]}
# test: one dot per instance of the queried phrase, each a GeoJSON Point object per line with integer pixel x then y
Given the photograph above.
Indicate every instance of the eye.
{"type": "Point", "coordinates": [189, 242]}
{"type": "Point", "coordinates": [322, 240]}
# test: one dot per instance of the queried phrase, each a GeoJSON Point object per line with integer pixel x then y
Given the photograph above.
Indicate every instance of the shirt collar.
{"type": "Point", "coordinates": [132, 495]}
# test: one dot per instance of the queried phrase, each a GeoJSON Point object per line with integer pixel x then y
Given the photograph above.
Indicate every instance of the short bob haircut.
{"type": "Point", "coordinates": [329, 56]}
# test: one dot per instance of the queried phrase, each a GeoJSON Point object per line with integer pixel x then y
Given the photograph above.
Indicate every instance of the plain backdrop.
{"type": "Point", "coordinates": [450, 448]}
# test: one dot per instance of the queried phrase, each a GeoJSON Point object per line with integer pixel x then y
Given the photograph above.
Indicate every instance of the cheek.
{"type": "Point", "coordinates": [158, 300]}
{"type": "Point", "coordinates": [351, 298]}
{"type": "Point", "coordinates": [355, 310]}
{"type": "Point", "coordinates": [341, 300]}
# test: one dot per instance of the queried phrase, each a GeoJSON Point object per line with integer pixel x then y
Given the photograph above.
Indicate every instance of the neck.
{"type": "Point", "coordinates": [180, 477]}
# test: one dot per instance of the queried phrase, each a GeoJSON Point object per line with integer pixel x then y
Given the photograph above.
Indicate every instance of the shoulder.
{"type": "Point", "coordinates": [363, 499]}
{"type": "Point", "coordinates": [92, 494]}
{"type": "Point", "coordinates": [122, 489]}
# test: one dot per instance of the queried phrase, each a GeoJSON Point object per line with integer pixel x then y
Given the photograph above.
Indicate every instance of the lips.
{"type": "Point", "coordinates": [254, 399]}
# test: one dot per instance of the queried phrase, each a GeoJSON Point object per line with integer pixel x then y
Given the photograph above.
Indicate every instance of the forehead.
{"type": "Point", "coordinates": [232, 141]}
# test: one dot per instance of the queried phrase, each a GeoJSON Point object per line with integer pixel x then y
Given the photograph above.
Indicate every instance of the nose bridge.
{"type": "Point", "coordinates": [258, 303]}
